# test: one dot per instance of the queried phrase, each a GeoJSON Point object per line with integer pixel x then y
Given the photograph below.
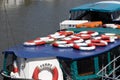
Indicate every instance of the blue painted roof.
{"type": "Point", "coordinates": [104, 6]}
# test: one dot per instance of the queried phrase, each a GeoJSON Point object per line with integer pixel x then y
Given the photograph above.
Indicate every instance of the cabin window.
{"type": "Point", "coordinates": [91, 16]}
{"type": "Point", "coordinates": [76, 14]}
{"type": "Point", "coordinates": [8, 59]}
{"type": "Point", "coordinates": [116, 16]}
{"type": "Point", "coordinates": [82, 66]}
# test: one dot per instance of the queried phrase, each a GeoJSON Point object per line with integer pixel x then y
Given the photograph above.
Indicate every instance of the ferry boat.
{"type": "Point", "coordinates": [85, 43]}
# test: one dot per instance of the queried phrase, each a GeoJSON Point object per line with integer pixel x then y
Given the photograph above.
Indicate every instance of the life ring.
{"type": "Point", "coordinates": [46, 39]}
{"type": "Point", "coordinates": [106, 38]}
{"type": "Point", "coordinates": [92, 33]}
{"type": "Point", "coordinates": [61, 34]}
{"type": "Point", "coordinates": [97, 42]}
{"type": "Point", "coordinates": [66, 33]}
{"type": "Point", "coordinates": [111, 35]}
{"type": "Point", "coordinates": [112, 26]}
{"type": "Point", "coordinates": [34, 43]}
{"type": "Point", "coordinates": [84, 46]}
{"type": "Point", "coordinates": [62, 45]}
{"type": "Point", "coordinates": [83, 36]}
{"type": "Point", "coordinates": [56, 36]}
{"type": "Point", "coordinates": [67, 42]}
{"type": "Point", "coordinates": [73, 39]}
{"type": "Point", "coordinates": [37, 70]}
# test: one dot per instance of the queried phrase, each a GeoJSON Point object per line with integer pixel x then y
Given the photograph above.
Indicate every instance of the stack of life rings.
{"type": "Point", "coordinates": [50, 38]}
{"type": "Point", "coordinates": [84, 40]}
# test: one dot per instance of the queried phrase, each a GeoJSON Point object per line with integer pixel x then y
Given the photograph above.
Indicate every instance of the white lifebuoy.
{"type": "Point", "coordinates": [46, 39]}
{"type": "Point", "coordinates": [106, 38]}
{"type": "Point", "coordinates": [84, 46]}
{"type": "Point", "coordinates": [83, 36]}
{"type": "Point", "coordinates": [34, 43]}
{"type": "Point", "coordinates": [62, 45]}
{"type": "Point", "coordinates": [60, 34]}
{"type": "Point", "coordinates": [66, 33]}
{"type": "Point", "coordinates": [39, 41]}
{"type": "Point", "coordinates": [67, 42]}
{"type": "Point", "coordinates": [112, 26]}
{"type": "Point", "coordinates": [92, 33]}
{"type": "Point", "coordinates": [38, 70]}
{"type": "Point", "coordinates": [97, 42]}
{"type": "Point", "coordinates": [111, 35]}
{"type": "Point", "coordinates": [56, 36]}
{"type": "Point", "coordinates": [73, 39]}
{"type": "Point", "coordinates": [78, 41]}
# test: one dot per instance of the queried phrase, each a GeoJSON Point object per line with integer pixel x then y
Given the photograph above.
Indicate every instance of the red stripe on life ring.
{"type": "Point", "coordinates": [35, 73]}
{"type": "Point", "coordinates": [40, 43]}
{"type": "Point", "coordinates": [55, 72]}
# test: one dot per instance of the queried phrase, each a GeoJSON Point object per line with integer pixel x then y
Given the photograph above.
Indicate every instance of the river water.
{"type": "Point", "coordinates": [22, 20]}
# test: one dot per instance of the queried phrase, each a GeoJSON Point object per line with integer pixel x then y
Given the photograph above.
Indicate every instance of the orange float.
{"type": "Point", "coordinates": [90, 24]}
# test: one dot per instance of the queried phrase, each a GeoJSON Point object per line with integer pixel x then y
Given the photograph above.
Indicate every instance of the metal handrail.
{"type": "Point", "coordinates": [103, 72]}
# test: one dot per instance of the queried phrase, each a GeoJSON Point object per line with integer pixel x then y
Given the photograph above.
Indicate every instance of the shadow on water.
{"type": "Point", "coordinates": [22, 20]}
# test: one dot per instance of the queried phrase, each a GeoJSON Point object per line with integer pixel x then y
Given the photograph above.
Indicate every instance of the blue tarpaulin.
{"type": "Point", "coordinates": [99, 7]}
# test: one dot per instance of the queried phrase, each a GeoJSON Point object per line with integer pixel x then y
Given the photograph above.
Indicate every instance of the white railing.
{"type": "Point", "coordinates": [110, 70]}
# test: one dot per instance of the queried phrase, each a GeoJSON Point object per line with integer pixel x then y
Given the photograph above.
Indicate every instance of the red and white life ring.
{"type": "Point", "coordinates": [72, 39]}
{"type": "Point", "coordinates": [84, 46]}
{"type": "Point", "coordinates": [37, 70]}
{"type": "Point", "coordinates": [112, 26]}
{"type": "Point", "coordinates": [46, 39]}
{"type": "Point", "coordinates": [83, 36]}
{"type": "Point", "coordinates": [66, 33]}
{"type": "Point", "coordinates": [111, 35]}
{"type": "Point", "coordinates": [39, 41]}
{"type": "Point", "coordinates": [61, 34]}
{"type": "Point", "coordinates": [67, 42]}
{"type": "Point", "coordinates": [62, 45]}
{"type": "Point", "coordinates": [106, 38]}
{"type": "Point", "coordinates": [97, 42]}
{"type": "Point", "coordinates": [34, 43]}
{"type": "Point", "coordinates": [56, 36]}
{"type": "Point", "coordinates": [92, 33]}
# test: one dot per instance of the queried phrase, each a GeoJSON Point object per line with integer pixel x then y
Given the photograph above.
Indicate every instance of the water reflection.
{"type": "Point", "coordinates": [16, 3]}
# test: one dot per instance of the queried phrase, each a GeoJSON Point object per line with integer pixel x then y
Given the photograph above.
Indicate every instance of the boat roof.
{"type": "Point", "coordinates": [102, 6]}
{"type": "Point", "coordinates": [47, 50]}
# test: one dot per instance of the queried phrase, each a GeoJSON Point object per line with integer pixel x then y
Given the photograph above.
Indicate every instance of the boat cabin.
{"type": "Point", "coordinates": [106, 11]}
